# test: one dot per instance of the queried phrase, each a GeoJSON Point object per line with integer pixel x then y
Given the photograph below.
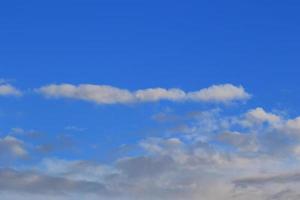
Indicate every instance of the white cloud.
{"type": "Point", "coordinates": [269, 122]}
{"type": "Point", "coordinates": [259, 115]}
{"type": "Point", "coordinates": [101, 94]}
{"type": "Point", "coordinates": [220, 93]}
{"type": "Point", "coordinates": [11, 147]}
{"type": "Point", "coordinates": [104, 94]}
{"type": "Point", "coordinates": [173, 167]}
{"type": "Point", "coordinates": [292, 126]}
{"type": "Point", "coordinates": [9, 90]}
{"type": "Point", "coordinates": [157, 94]}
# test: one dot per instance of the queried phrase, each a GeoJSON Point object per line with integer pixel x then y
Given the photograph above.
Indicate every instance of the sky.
{"type": "Point", "coordinates": [151, 100]}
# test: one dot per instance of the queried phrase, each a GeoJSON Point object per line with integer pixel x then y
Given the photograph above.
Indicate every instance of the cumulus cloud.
{"type": "Point", "coordinates": [9, 90]}
{"type": "Point", "coordinates": [243, 142]}
{"type": "Point", "coordinates": [12, 147]}
{"type": "Point", "coordinates": [157, 94]}
{"type": "Point", "coordinates": [259, 115]}
{"type": "Point", "coordinates": [171, 168]}
{"type": "Point", "coordinates": [176, 166]}
{"type": "Point", "coordinates": [220, 93]}
{"type": "Point", "coordinates": [105, 94]}
{"type": "Point", "coordinates": [293, 125]}
{"type": "Point", "coordinates": [101, 94]}
{"type": "Point", "coordinates": [157, 176]}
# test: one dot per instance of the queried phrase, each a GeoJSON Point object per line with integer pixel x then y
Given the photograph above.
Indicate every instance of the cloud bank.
{"type": "Point", "coordinates": [201, 155]}
{"type": "Point", "coordinates": [224, 157]}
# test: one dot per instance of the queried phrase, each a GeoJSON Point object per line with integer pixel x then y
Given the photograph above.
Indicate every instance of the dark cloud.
{"type": "Point", "coordinates": [35, 182]}
{"type": "Point", "coordinates": [145, 166]}
{"type": "Point", "coordinates": [261, 180]}
{"type": "Point", "coordinates": [244, 142]}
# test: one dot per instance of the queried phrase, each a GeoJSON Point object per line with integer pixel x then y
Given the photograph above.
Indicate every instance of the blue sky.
{"type": "Point", "coordinates": [119, 87]}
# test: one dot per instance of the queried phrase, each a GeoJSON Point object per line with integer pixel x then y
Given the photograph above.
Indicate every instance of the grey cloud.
{"type": "Point", "coordinates": [11, 147]}
{"type": "Point", "coordinates": [34, 182]}
{"type": "Point", "coordinates": [178, 167]}
{"type": "Point", "coordinates": [263, 180]}
{"type": "Point", "coordinates": [243, 142]}
{"type": "Point", "coordinates": [145, 166]}
{"type": "Point", "coordinates": [284, 195]}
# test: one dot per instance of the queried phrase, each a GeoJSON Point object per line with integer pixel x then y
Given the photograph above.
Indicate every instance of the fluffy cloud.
{"type": "Point", "coordinates": [220, 93]}
{"type": "Point", "coordinates": [171, 168]}
{"type": "Point", "coordinates": [12, 147]}
{"type": "Point", "coordinates": [101, 94]}
{"type": "Point", "coordinates": [104, 94]}
{"type": "Point", "coordinates": [243, 142]}
{"type": "Point", "coordinates": [233, 162]}
{"type": "Point", "coordinates": [259, 115]}
{"type": "Point", "coordinates": [9, 90]}
{"type": "Point", "coordinates": [293, 125]}
{"type": "Point", "coordinates": [147, 177]}
{"type": "Point", "coordinates": [157, 94]}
